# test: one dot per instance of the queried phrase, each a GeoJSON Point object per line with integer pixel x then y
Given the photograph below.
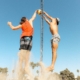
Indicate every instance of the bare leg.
{"type": "Point", "coordinates": [20, 68]}
{"type": "Point", "coordinates": [26, 67]}
{"type": "Point", "coordinates": [54, 56]}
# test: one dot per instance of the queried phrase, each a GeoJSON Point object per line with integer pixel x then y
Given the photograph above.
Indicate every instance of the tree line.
{"type": "Point", "coordinates": [65, 74]}
{"type": "Point", "coordinates": [3, 70]}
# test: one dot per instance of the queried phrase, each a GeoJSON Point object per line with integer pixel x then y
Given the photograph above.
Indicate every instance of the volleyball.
{"type": "Point", "coordinates": [39, 11]}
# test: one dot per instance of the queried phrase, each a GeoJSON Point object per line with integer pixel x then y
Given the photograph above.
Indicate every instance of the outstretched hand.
{"type": "Point", "coordinates": [9, 23]}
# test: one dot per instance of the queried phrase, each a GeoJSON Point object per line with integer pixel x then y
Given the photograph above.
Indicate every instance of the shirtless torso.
{"type": "Point", "coordinates": [53, 27]}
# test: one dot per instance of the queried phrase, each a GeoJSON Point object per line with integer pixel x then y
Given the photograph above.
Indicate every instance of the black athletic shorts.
{"type": "Point", "coordinates": [26, 43]}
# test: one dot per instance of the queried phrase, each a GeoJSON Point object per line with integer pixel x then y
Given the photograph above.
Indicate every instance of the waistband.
{"type": "Point", "coordinates": [55, 35]}
{"type": "Point", "coordinates": [28, 37]}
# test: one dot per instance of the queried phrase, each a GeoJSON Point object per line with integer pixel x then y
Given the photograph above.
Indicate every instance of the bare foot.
{"type": "Point", "coordinates": [44, 69]}
{"type": "Point", "coordinates": [50, 68]}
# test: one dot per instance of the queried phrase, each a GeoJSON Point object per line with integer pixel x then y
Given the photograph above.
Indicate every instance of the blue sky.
{"type": "Point", "coordinates": [69, 29]}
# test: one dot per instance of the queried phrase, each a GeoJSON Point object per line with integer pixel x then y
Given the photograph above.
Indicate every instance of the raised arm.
{"type": "Point", "coordinates": [47, 20]}
{"type": "Point", "coordinates": [14, 27]}
{"type": "Point", "coordinates": [33, 17]}
{"type": "Point", "coordinates": [48, 16]}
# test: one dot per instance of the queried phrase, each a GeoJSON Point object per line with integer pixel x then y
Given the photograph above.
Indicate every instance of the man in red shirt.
{"type": "Point", "coordinates": [25, 43]}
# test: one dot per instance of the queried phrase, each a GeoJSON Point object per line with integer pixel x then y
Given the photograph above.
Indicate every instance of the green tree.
{"type": "Point", "coordinates": [3, 73]}
{"type": "Point", "coordinates": [78, 71]}
{"type": "Point", "coordinates": [32, 64]}
{"type": "Point", "coordinates": [67, 75]}
{"type": "Point", "coordinates": [37, 72]}
{"type": "Point", "coordinates": [4, 70]}
{"type": "Point", "coordinates": [0, 69]}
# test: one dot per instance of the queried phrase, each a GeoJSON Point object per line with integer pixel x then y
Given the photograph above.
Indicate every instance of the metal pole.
{"type": "Point", "coordinates": [41, 31]}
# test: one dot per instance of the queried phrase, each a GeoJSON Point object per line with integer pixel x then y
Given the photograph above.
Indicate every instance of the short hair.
{"type": "Point", "coordinates": [58, 20]}
{"type": "Point", "coordinates": [23, 19]}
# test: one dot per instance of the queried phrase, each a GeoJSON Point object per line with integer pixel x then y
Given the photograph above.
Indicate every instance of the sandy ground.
{"type": "Point", "coordinates": [20, 73]}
